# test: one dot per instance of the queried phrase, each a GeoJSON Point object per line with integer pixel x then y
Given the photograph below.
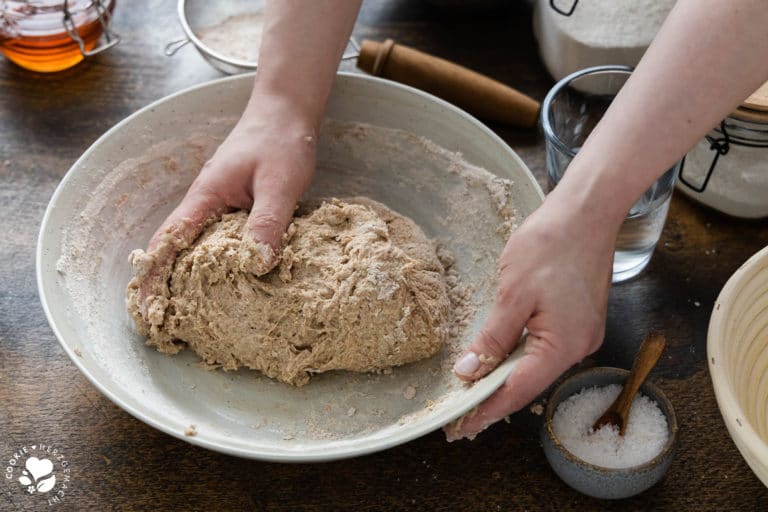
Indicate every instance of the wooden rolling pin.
{"type": "Point", "coordinates": [481, 96]}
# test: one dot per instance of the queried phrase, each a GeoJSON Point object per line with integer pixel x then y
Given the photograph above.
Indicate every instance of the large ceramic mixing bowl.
{"type": "Point", "coordinates": [125, 184]}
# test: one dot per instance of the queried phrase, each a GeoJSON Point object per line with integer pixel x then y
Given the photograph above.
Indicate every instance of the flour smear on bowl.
{"type": "Point", "coordinates": [466, 209]}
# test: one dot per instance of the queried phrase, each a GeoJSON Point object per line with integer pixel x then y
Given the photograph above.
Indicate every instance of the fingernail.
{"type": "Point", "coordinates": [468, 364]}
{"type": "Point", "coordinates": [453, 430]}
{"type": "Point", "coordinates": [266, 253]}
{"type": "Point", "coordinates": [256, 257]}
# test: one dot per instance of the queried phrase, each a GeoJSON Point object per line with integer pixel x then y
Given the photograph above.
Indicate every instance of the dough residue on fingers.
{"type": "Point", "coordinates": [357, 287]}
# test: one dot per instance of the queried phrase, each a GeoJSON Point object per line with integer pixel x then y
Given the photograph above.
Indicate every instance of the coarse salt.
{"type": "Point", "coordinates": [644, 438]}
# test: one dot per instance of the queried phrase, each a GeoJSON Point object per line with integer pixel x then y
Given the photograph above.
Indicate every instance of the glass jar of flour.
{"type": "Point", "coordinates": [728, 169]}
{"type": "Point", "coordinates": [574, 35]}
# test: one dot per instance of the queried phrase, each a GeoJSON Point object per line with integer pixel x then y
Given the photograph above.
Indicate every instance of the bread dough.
{"type": "Point", "coordinates": [358, 287]}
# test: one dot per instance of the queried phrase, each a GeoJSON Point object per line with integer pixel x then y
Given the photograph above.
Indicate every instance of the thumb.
{"type": "Point", "coordinates": [541, 365]}
{"type": "Point", "coordinates": [499, 335]}
{"type": "Point", "coordinates": [274, 201]}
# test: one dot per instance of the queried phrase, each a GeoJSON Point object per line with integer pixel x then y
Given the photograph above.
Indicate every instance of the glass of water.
{"type": "Point", "coordinates": [569, 113]}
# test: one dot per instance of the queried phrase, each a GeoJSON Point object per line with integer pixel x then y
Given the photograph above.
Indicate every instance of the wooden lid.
{"type": "Point", "coordinates": [755, 108]}
{"type": "Point", "coordinates": [758, 100]}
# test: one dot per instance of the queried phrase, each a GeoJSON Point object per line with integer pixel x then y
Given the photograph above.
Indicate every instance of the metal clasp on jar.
{"type": "Point", "coordinates": [553, 5]}
{"type": "Point", "coordinates": [721, 146]}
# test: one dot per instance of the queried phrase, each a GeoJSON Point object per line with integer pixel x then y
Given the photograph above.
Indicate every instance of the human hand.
{"type": "Point", "coordinates": [265, 164]}
{"type": "Point", "coordinates": [554, 279]}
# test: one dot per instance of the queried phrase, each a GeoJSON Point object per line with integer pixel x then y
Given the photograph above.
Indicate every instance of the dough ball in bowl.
{"type": "Point", "coordinates": [358, 287]}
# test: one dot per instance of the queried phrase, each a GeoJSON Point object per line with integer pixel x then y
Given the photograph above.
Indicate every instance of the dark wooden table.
{"type": "Point", "coordinates": [119, 463]}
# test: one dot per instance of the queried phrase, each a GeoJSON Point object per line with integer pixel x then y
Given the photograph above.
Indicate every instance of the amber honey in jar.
{"type": "Point", "coordinates": [52, 35]}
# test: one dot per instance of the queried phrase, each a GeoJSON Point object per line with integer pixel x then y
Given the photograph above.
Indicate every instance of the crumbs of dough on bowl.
{"type": "Point", "coordinates": [190, 431]}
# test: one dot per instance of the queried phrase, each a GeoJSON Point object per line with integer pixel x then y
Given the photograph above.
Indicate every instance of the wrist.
{"type": "Point", "coordinates": [584, 214]}
{"type": "Point", "coordinates": [595, 195]}
{"type": "Point", "coordinates": [298, 101]}
{"type": "Point", "coordinates": [282, 109]}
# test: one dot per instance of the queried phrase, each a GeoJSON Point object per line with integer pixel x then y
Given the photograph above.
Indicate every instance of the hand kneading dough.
{"type": "Point", "coordinates": [358, 287]}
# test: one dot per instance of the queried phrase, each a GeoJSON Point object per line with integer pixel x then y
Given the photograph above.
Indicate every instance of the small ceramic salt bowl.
{"type": "Point", "coordinates": [597, 481]}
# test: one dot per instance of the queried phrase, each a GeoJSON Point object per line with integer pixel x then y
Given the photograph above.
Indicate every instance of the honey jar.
{"type": "Point", "coordinates": [52, 35]}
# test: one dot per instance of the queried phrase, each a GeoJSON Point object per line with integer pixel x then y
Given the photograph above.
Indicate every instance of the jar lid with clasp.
{"type": "Point", "coordinates": [52, 35]}
{"type": "Point", "coordinates": [728, 169]}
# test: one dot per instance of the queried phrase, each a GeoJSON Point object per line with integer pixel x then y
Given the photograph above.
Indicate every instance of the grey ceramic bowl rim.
{"type": "Point", "coordinates": [660, 396]}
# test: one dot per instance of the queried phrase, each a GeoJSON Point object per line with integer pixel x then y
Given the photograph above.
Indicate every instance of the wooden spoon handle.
{"type": "Point", "coordinates": [650, 351]}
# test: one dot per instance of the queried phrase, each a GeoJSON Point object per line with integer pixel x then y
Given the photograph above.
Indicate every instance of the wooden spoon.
{"type": "Point", "coordinates": [650, 351]}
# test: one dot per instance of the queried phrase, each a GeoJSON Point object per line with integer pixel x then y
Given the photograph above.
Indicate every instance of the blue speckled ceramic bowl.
{"type": "Point", "coordinates": [597, 481]}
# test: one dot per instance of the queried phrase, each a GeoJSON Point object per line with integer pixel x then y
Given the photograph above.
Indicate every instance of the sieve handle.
{"type": "Point", "coordinates": [480, 95]}
{"type": "Point", "coordinates": [174, 46]}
